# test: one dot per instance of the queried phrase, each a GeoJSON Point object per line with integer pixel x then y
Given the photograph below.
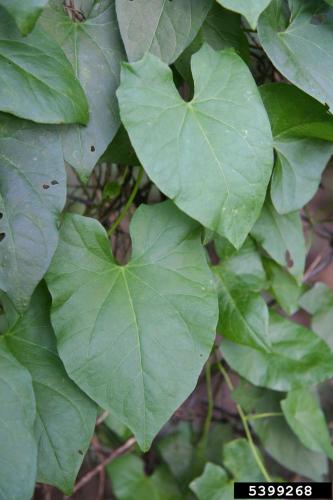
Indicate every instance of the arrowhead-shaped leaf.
{"type": "Point", "coordinates": [32, 195]}
{"type": "Point", "coordinates": [250, 9]}
{"type": "Point", "coordinates": [95, 50]}
{"type": "Point", "coordinates": [18, 451]}
{"type": "Point", "coordinates": [65, 417]}
{"type": "Point", "coordinates": [301, 127]}
{"type": "Point", "coordinates": [282, 238]}
{"type": "Point", "coordinates": [298, 42]}
{"type": "Point", "coordinates": [212, 155]}
{"type": "Point", "coordinates": [307, 420]}
{"type": "Point", "coordinates": [297, 357]}
{"type": "Point", "coordinates": [161, 27]}
{"type": "Point", "coordinates": [25, 13]}
{"type": "Point", "coordinates": [138, 344]}
{"type": "Point", "coordinates": [36, 80]}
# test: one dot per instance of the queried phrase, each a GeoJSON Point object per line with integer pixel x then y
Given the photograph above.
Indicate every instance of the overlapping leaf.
{"type": "Point", "coordinates": [215, 483]}
{"type": "Point", "coordinates": [243, 312]}
{"type": "Point", "coordinates": [283, 286]}
{"type": "Point", "coordinates": [138, 345]}
{"type": "Point", "coordinates": [282, 238]}
{"type": "Point", "coordinates": [297, 357]}
{"type": "Point", "coordinates": [94, 49]}
{"type": "Point", "coordinates": [212, 155]}
{"type": "Point", "coordinates": [306, 419]}
{"type": "Point", "coordinates": [130, 481]}
{"type": "Point", "coordinates": [299, 43]}
{"type": "Point", "coordinates": [301, 130]}
{"type": "Point", "coordinates": [221, 30]}
{"type": "Point", "coordinates": [250, 9]}
{"type": "Point", "coordinates": [161, 27]}
{"type": "Point", "coordinates": [319, 302]}
{"type": "Point", "coordinates": [25, 13]}
{"type": "Point", "coordinates": [32, 195]}
{"type": "Point", "coordinates": [36, 80]}
{"type": "Point", "coordinates": [18, 453]}
{"type": "Point", "coordinates": [281, 443]}
{"type": "Point", "coordinates": [65, 417]}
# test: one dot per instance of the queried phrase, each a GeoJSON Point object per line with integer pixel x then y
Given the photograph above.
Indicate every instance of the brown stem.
{"type": "Point", "coordinates": [116, 453]}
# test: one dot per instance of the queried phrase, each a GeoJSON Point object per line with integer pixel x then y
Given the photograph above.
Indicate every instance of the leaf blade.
{"type": "Point", "coordinates": [137, 297]}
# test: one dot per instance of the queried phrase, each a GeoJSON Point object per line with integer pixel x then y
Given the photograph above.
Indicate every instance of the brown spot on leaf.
{"type": "Point", "coordinates": [46, 186]}
{"type": "Point", "coordinates": [289, 260]}
{"type": "Point", "coordinates": [92, 148]}
{"type": "Point", "coordinates": [54, 182]}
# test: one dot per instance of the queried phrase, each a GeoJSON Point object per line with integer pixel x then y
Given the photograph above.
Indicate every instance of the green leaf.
{"type": "Point", "coordinates": [307, 420]}
{"type": "Point", "coordinates": [301, 126]}
{"type": "Point", "coordinates": [297, 357]}
{"type": "Point", "coordinates": [283, 287]}
{"type": "Point", "coordinates": [115, 426]}
{"type": "Point", "coordinates": [94, 48]}
{"type": "Point", "coordinates": [138, 346]}
{"type": "Point", "coordinates": [32, 195]}
{"type": "Point", "coordinates": [319, 302]}
{"type": "Point", "coordinates": [221, 30]}
{"type": "Point", "coordinates": [247, 395]}
{"type": "Point", "coordinates": [129, 481]}
{"type": "Point", "coordinates": [239, 460]}
{"type": "Point", "coordinates": [177, 451]}
{"type": "Point", "coordinates": [161, 27]}
{"type": "Point", "coordinates": [245, 263]}
{"type": "Point", "coordinates": [65, 416]}
{"type": "Point", "coordinates": [37, 81]}
{"type": "Point", "coordinates": [226, 126]}
{"type": "Point", "coordinates": [298, 43]}
{"type": "Point", "coordinates": [282, 238]}
{"type": "Point", "coordinates": [250, 9]}
{"type": "Point", "coordinates": [120, 150]}
{"type": "Point", "coordinates": [25, 13]}
{"type": "Point", "coordinates": [243, 312]}
{"type": "Point", "coordinates": [282, 444]}
{"type": "Point", "coordinates": [18, 452]}
{"type": "Point", "coordinates": [213, 484]}
{"type": "Point", "coordinates": [317, 299]}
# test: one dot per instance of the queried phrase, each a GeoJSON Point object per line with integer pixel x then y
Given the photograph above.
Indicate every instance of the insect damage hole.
{"type": "Point", "coordinates": [2, 236]}
{"type": "Point", "coordinates": [1, 215]}
{"type": "Point", "coordinates": [46, 186]}
{"type": "Point", "coordinates": [54, 182]}
{"type": "Point", "coordinates": [92, 148]}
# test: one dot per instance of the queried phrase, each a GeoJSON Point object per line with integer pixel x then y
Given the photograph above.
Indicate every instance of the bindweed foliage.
{"type": "Point", "coordinates": [158, 165]}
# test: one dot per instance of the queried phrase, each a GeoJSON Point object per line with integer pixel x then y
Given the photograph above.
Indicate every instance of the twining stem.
{"type": "Point", "coordinates": [258, 416]}
{"type": "Point", "coordinates": [128, 203]}
{"type": "Point", "coordinates": [245, 426]}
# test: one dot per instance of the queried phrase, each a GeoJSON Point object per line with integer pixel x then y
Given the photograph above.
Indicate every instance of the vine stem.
{"type": "Point", "coordinates": [248, 434]}
{"type": "Point", "coordinates": [128, 203]}
{"type": "Point", "coordinates": [126, 447]}
{"type": "Point", "coordinates": [258, 416]}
